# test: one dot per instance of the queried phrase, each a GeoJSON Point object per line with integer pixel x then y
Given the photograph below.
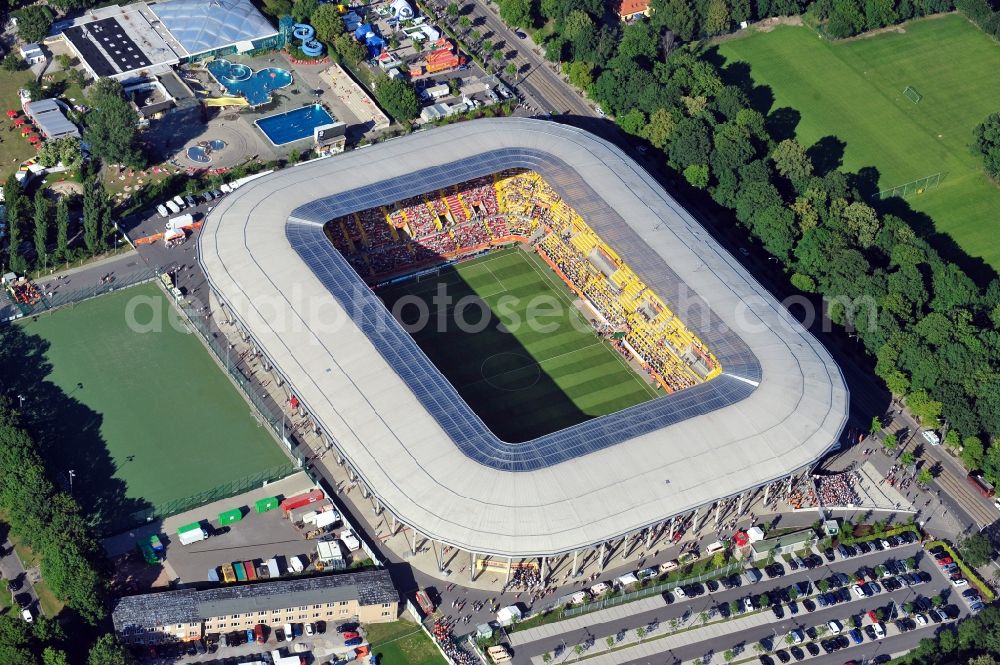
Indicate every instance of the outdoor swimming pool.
{"type": "Point", "coordinates": [294, 125]}
{"type": "Point", "coordinates": [239, 79]}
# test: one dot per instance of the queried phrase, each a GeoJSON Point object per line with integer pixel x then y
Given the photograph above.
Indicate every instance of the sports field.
{"type": "Point", "coordinates": [853, 90]}
{"type": "Point", "coordinates": [148, 417]}
{"type": "Point", "coordinates": [534, 365]}
{"type": "Point", "coordinates": [402, 642]}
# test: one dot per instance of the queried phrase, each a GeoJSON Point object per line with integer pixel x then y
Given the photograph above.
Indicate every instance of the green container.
{"type": "Point", "coordinates": [188, 527]}
{"type": "Point", "coordinates": [230, 516]}
{"type": "Point", "coordinates": [264, 505]}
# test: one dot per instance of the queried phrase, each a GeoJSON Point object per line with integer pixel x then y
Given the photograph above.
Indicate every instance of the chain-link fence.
{"type": "Point", "coordinates": [651, 590]}
{"type": "Point", "coordinates": [918, 186]}
{"type": "Point", "coordinates": [223, 491]}
{"type": "Point", "coordinates": [66, 297]}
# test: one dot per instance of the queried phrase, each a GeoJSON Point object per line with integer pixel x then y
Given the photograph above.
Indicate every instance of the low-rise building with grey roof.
{"type": "Point", "coordinates": [190, 614]}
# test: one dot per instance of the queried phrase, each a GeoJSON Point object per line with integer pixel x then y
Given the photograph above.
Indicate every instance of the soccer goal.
{"type": "Point", "coordinates": [912, 94]}
{"type": "Point", "coordinates": [914, 187]}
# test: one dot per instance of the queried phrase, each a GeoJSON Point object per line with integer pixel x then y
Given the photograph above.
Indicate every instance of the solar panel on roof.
{"type": "Point", "coordinates": [428, 384]}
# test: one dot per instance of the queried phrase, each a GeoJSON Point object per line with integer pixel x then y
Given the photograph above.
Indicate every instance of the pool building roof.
{"type": "Point", "coordinates": [779, 405]}
{"type": "Point", "coordinates": [130, 41]}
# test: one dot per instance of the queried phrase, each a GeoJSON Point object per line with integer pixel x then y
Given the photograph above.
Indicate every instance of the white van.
{"type": "Point", "coordinates": [173, 207]}
{"type": "Point", "coordinates": [162, 209]}
{"type": "Point", "coordinates": [179, 202]}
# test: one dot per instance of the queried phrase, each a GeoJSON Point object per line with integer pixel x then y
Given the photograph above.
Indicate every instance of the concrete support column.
{"type": "Point", "coordinates": [739, 510]}
{"type": "Point", "coordinates": [767, 491]}
{"type": "Point", "coordinates": [649, 535]}
{"type": "Point", "coordinates": [510, 564]}
{"type": "Point", "coordinates": [718, 512]}
{"type": "Point", "coordinates": [694, 520]}
{"type": "Point", "coordinates": [437, 555]}
{"type": "Point", "coordinates": [789, 490]}
{"type": "Point", "coordinates": [575, 570]}
{"type": "Point", "coordinates": [670, 532]}
{"type": "Point", "coordinates": [602, 558]}
{"type": "Point", "coordinates": [393, 524]}
{"type": "Point", "coordinates": [472, 566]}
{"type": "Point", "coordinates": [545, 569]}
{"type": "Point", "coordinates": [413, 543]}
{"type": "Point", "coordinates": [625, 547]}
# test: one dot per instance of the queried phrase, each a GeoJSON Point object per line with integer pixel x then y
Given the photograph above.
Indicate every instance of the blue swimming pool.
{"type": "Point", "coordinates": [294, 125]}
{"type": "Point", "coordinates": [239, 79]}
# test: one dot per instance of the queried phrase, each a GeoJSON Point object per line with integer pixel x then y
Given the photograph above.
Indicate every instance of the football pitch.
{"type": "Point", "coordinates": [144, 417]}
{"type": "Point", "coordinates": [529, 363]}
{"type": "Point", "coordinates": [853, 90]}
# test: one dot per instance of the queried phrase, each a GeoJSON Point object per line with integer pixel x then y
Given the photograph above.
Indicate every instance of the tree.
{"type": "Point", "coordinates": [108, 651]}
{"type": "Point", "coordinates": [112, 125]}
{"type": "Point", "coordinates": [302, 10]}
{"type": "Point", "coordinates": [925, 477]}
{"type": "Point", "coordinates": [863, 222]}
{"type": "Point", "coordinates": [890, 442]}
{"type": "Point", "coordinates": [632, 122]}
{"type": "Point", "coordinates": [976, 550]}
{"type": "Point", "coordinates": [12, 62]}
{"type": "Point", "coordinates": [697, 175]}
{"type": "Point", "coordinates": [33, 22]}
{"type": "Point", "coordinates": [717, 17]}
{"type": "Point", "coordinates": [640, 632]}
{"type": "Point", "coordinates": [516, 13]}
{"type": "Point", "coordinates": [676, 16]}
{"type": "Point", "coordinates": [823, 585]}
{"type": "Point", "coordinates": [791, 161]}
{"type": "Point", "coordinates": [398, 98]}
{"type": "Point", "coordinates": [972, 452]}
{"type": "Point", "coordinates": [580, 74]}
{"type": "Point", "coordinates": [577, 649]}
{"type": "Point", "coordinates": [610, 641]}
{"type": "Point", "coordinates": [62, 229]}
{"type": "Point", "coordinates": [907, 458]}
{"type": "Point", "coordinates": [17, 208]}
{"type": "Point", "coordinates": [43, 220]}
{"type": "Point", "coordinates": [95, 216]}
{"type": "Point", "coordinates": [876, 426]}
{"type": "Point", "coordinates": [327, 22]}
{"type": "Point", "coordinates": [690, 143]}
{"type": "Point", "coordinates": [986, 141]}
{"type": "Point", "coordinates": [51, 656]}
{"type": "Point", "coordinates": [452, 9]}
{"type": "Point", "coordinates": [464, 22]}
{"type": "Point", "coordinates": [348, 48]}
{"type": "Point", "coordinates": [728, 655]}
{"type": "Point", "coordinates": [659, 128]}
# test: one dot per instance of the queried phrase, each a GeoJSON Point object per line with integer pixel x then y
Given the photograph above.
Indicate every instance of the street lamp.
{"type": "Point", "coordinates": [20, 401]}
{"type": "Point", "coordinates": [71, 473]}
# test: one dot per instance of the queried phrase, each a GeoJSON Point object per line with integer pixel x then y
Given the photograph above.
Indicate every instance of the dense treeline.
{"type": "Point", "coordinates": [49, 521]}
{"type": "Point", "coordinates": [932, 330]}
{"type": "Point", "coordinates": [981, 13]}
{"type": "Point", "coordinates": [975, 641]}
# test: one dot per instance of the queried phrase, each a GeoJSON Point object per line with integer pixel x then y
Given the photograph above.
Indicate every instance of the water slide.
{"type": "Point", "coordinates": [225, 101]}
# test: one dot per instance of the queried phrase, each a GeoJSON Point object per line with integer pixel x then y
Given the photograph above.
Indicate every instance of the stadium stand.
{"type": "Point", "coordinates": [519, 206]}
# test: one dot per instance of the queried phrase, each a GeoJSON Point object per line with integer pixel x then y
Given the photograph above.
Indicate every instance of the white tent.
{"type": "Point", "coordinates": [402, 10]}
{"type": "Point", "coordinates": [508, 615]}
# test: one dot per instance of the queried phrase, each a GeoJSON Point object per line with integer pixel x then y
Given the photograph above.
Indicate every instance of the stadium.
{"type": "Point", "coordinates": [668, 380]}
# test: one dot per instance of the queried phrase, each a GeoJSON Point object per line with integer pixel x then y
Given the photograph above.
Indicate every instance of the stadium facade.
{"type": "Point", "coordinates": [417, 449]}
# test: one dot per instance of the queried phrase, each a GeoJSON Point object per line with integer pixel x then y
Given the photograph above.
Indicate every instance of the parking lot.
{"type": "Point", "coordinates": [714, 618]}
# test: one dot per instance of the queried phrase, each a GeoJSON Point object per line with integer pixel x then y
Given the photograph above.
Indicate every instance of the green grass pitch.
{"type": "Point", "coordinates": [854, 90]}
{"type": "Point", "coordinates": [155, 412]}
{"type": "Point", "coordinates": [522, 380]}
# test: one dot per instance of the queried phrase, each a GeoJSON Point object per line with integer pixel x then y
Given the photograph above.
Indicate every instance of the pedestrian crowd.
{"type": "Point", "coordinates": [442, 631]}
{"type": "Point", "coordinates": [838, 490]}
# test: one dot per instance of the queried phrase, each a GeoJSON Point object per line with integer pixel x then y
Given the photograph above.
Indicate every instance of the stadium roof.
{"type": "Point", "coordinates": [779, 405]}
{"type": "Point", "coordinates": [205, 25]}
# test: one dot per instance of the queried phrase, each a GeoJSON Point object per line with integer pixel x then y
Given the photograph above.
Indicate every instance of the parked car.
{"type": "Point", "coordinates": [352, 642]}
{"type": "Point", "coordinates": [834, 626]}
{"type": "Point", "coordinates": [310, 629]}
{"type": "Point", "coordinates": [279, 634]}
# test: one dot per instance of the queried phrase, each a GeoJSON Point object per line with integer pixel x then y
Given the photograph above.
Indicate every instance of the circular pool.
{"type": "Point", "coordinates": [216, 145]}
{"type": "Point", "coordinates": [196, 153]}
{"type": "Point", "coordinates": [236, 72]}
{"type": "Point", "coordinates": [275, 77]}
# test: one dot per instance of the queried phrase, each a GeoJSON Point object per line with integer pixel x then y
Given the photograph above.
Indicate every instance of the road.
{"type": "Point", "coordinates": [12, 569]}
{"type": "Point", "coordinates": [536, 80]}
{"type": "Point", "coordinates": [747, 637]}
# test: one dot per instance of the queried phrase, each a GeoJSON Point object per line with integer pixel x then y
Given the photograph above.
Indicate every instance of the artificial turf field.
{"type": "Point", "coordinates": [854, 90]}
{"type": "Point", "coordinates": [171, 422]}
{"type": "Point", "coordinates": [531, 380]}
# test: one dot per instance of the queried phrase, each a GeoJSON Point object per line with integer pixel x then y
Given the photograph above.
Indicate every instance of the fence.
{"type": "Point", "coordinates": [223, 491]}
{"type": "Point", "coordinates": [918, 186]}
{"type": "Point", "coordinates": [650, 590]}
{"type": "Point", "coordinates": [65, 297]}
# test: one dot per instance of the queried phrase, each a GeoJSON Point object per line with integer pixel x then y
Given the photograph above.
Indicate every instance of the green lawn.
{"type": "Point", "coordinates": [854, 90]}
{"type": "Point", "coordinates": [548, 372]}
{"type": "Point", "coordinates": [402, 643]}
{"type": "Point", "coordinates": [140, 417]}
{"type": "Point", "coordinates": [14, 148]}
